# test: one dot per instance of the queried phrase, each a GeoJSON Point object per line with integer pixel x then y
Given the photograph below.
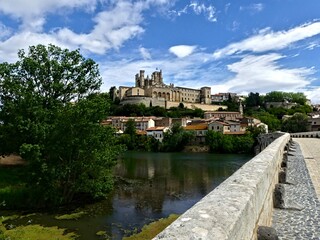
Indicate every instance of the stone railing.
{"type": "Point", "coordinates": [265, 139]}
{"type": "Point", "coordinates": [236, 208]}
{"type": "Point", "coordinates": [306, 135]}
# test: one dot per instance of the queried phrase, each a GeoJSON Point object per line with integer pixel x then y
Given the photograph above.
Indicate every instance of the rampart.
{"type": "Point", "coordinates": [236, 208]}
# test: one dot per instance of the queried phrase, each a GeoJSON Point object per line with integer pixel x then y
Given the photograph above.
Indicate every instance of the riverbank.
{"type": "Point", "coordinates": [150, 186]}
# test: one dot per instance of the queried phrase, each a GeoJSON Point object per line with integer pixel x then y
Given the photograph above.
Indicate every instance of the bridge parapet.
{"type": "Point", "coordinates": [265, 139]}
{"type": "Point", "coordinates": [306, 135]}
{"type": "Point", "coordinates": [236, 208]}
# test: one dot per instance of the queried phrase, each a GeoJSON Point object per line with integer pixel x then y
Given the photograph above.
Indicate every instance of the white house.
{"type": "Point", "coordinates": [157, 132]}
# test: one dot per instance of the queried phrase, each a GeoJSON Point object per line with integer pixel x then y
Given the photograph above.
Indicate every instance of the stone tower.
{"type": "Point", "coordinates": [205, 95]}
{"type": "Point", "coordinates": [140, 79]}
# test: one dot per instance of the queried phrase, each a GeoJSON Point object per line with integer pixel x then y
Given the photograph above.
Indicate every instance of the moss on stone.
{"type": "Point", "coordinates": [71, 216]}
{"type": "Point", "coordinates": [151, 230]}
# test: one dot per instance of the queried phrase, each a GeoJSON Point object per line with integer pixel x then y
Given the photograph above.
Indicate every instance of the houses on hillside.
{"type": "Point", "coordinates": [232, 123]}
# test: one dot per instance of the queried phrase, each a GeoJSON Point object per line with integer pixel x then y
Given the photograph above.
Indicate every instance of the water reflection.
{"type": "Point", "coordinates": [149, 186]}
{"type": "Point", "coordinates": [154, 185]}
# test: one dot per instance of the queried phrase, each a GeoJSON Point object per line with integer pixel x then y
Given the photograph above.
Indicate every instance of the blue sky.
{"type": "Point", "coordinates": [232, 46]}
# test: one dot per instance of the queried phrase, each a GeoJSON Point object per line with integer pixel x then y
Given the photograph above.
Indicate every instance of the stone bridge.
{"type": "Point", "coordinates": [272, 195]}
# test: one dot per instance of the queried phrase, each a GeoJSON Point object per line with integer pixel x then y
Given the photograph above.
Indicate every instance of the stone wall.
{"type": "Point", "coordinates": [306, 135]}
{"type": "Point", "coordinates": [204, 107]}
{"type": "Point", "coordinates": [236, 207]}
{"type": "Point", "coordinates": [265, 139]}
{"type": "Point", "coordinates": [161, 102]}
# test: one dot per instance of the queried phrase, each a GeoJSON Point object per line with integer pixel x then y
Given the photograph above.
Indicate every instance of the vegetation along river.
{"type": "Point", "coordinates": [149, 186]}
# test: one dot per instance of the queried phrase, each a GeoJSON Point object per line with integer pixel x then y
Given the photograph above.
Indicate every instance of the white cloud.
{"type": "Point", "coordinates": [209, 11]}
{"type": "Point", "coordinates": [267, 40]}
{"type": "Point", "coordinates": [145, 53]}
{"type": "Point", "coordinates": [263, 74]}
{"type": "Point", "coordinates": [312, 93]}
{"type": "Point", "coordinates": [182, 51]}
{"type": "Point", "coordinates": [253, 8]}
{"type": "Point", "coordinates": [22, 8]}
{"type": "Point", "coordinates": [180, 71]}
{"type": "Point", "coordinates": [122, 21]}
{"type": "Point", "coordinates": [32, 13]}
{"type": "Point", "coordinates": [9, 47]}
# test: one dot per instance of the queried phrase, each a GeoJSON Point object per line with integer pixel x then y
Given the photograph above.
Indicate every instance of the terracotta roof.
{"type": "Point", "coordinates": [155, 129]}
{"type": "Point", "coordinates": [235, 133]}
{"type": "Point", "coordinates": [222, 123]}
{"type": "Point", "coordinates": [140, 132]}
{"type": "Point", "coordinates": [197, 127]}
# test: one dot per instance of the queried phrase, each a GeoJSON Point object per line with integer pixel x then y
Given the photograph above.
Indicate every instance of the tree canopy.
{"type": "Point", "coordinates": [277, 96]}
{"type": "Point", "coordinates": [297, 123]}
{"type": "Point", "coordinates": [50, 114]}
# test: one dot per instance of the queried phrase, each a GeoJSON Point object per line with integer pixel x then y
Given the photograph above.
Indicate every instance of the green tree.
{"type": "Point", "coordinates": [277, 96]}
{"type": "Point", "coordinates": [131, 131]}
{"type": "Point", "coordinates": [214, 140]}
{"type": "Point", "coordinates": [176, 139]}
{"type": "Point", "coordinates": [274, 124]}
{"type": "Point", "coordinates": [253, 100]}
{"type": "Point", "coordinates": [297, 123]}
{"type": "Point", "coordinates": [50, 114]}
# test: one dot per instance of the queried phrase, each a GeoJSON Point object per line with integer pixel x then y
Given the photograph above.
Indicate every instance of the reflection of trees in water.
{"type": "Point", "coordinates": [150, 178]}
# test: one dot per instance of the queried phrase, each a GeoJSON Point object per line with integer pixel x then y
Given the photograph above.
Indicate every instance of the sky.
{"type": "Point", "coordinates": [231, 46]}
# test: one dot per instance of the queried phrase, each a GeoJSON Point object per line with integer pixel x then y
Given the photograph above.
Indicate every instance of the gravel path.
{"type": "Point", "coordinates": [300, 218]}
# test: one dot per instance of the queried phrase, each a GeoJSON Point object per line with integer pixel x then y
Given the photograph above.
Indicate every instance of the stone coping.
{"type": "Point", "coordinates": [234, 208]}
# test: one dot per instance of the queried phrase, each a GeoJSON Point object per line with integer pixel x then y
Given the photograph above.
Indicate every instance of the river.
{"type": "Point", "coordinates": [150, 186]}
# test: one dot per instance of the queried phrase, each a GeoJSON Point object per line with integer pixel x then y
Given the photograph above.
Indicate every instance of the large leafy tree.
{"type": "Point", "coordinates": [297, 123]}
{"type": "Point", "coordinates": [176, 138]}
{"type": "Point", "coordinates": [50, 113]}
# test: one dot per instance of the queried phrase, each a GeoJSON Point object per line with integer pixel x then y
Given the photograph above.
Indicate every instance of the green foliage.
{"type": "Point", "coordinates": [232, 104]}
{"type": "Point", "coordinates": [277, 96]}
{"type": "Point", "coordinates": [256, 131]}
{"type": "Point", "coordinates": [214, 140]}
{"type": "Point", "coordinates": [38, 232]}
{"type": "Point", "coordinates": [51, 116]}
{"type": "Point", "coordinates": [253, 100]}
{"type": "Point", "coordinates": [279, 112]}
{"type": "Point", "coordinates": [300, 109]}
{"type": "Point", "coordinates": [130, 134]}
{"type": "Point", "coordinates": [221, 143]}
{"type": "Point", "coordinates": [147, 143]}
{"type": "Point", "coordinates": [142, 110]}
{"type": "Point", "coordinates": [274, 124]}
{"type": "Point", "coordinates": [178, 112]}
{"type": "Point", "coordinates": [176, 139]}
{"type": "Point", "coordinates": [13, 191]}
{"type": "Point", "coordinates": [130, 128]}
{"type": "Point", "coordinates": [297, 123]}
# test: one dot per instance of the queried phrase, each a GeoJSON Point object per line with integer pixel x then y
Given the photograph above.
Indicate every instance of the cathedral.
{"type": "Point", "coordinates": [152, 91]}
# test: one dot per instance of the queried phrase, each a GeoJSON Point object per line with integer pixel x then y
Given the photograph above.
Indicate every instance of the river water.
{"type": "Point", "coordinates": [150, 186]}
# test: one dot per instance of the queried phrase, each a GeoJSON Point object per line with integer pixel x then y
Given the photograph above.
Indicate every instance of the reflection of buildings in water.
{"type": "Point", "coordinates": [151, 170]}
{"type": "Point", "coordinates": [159, 178]}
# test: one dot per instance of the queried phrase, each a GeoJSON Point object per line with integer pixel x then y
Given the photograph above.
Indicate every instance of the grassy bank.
{"type": "Point", "coordinates": [12, 196]}
{"type": "Point", "coordinates": [31, 232]}
{"type": "Point", "coordinates": [13, 193]}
